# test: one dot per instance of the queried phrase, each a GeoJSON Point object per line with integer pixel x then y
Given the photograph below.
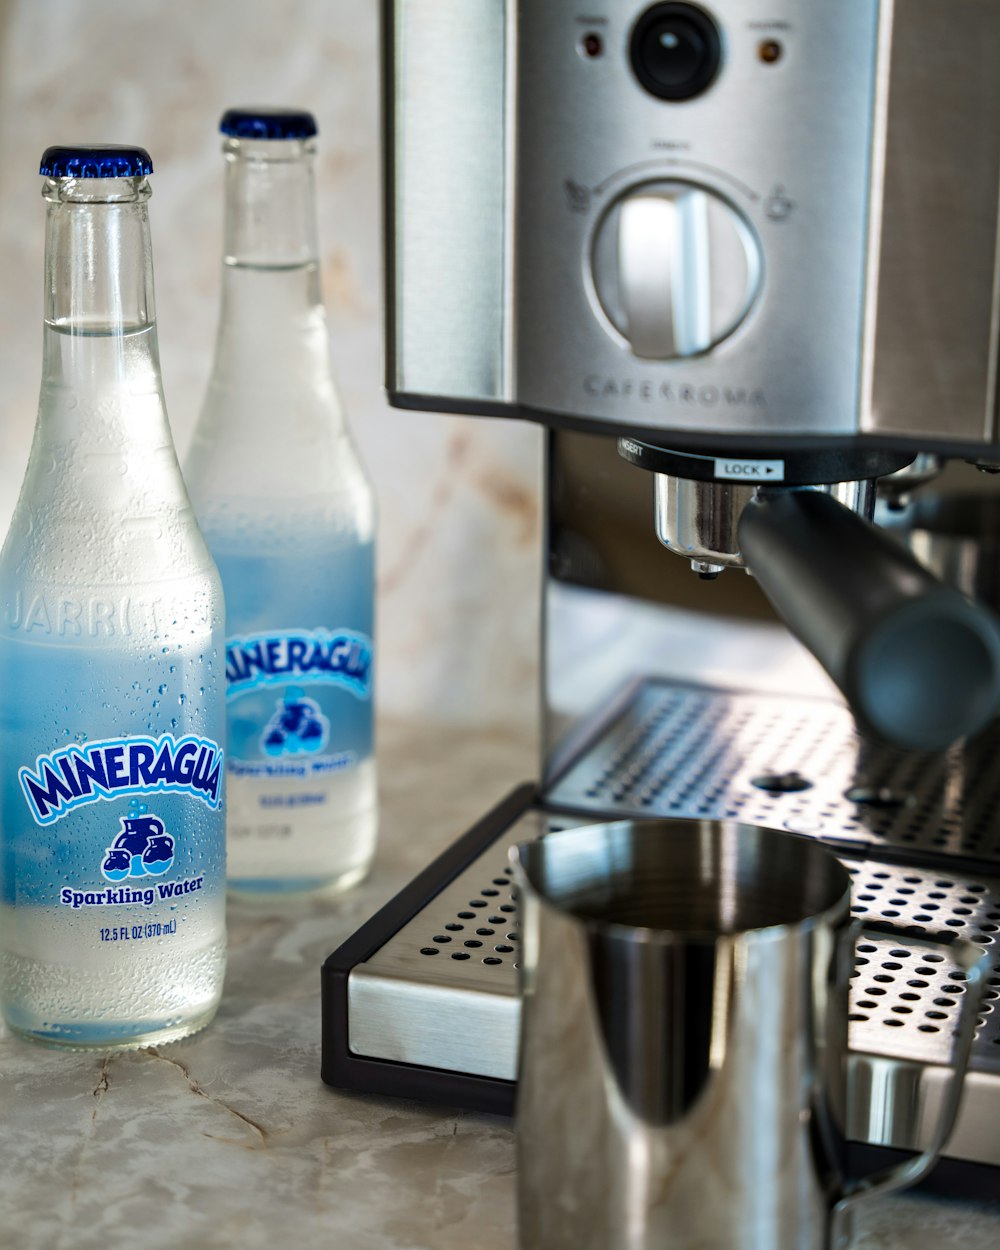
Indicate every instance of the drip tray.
{"type": "Point", "coordinates": [792, 763]}
{"type": "Point", "coordinates": [423, 1001]}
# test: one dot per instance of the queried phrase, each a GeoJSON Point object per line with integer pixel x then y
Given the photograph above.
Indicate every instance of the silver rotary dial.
{"type": "Point", "coordinates": [676, 268]}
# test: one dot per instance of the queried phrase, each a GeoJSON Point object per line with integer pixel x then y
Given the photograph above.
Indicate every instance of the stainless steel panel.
{"type": "Point", "coordinates": [786, 144]}
{"type": "Point", "coordinates": [898, 993]}
{"type": "Point", "coordinates": [864, 161]}
{"type": "Point", "coordinates": [447, 242]}
{"type": "Point", "coordinates": [893, 1103]}
{"type": "Point", "coordinates": [462, 1014]}
{"type": "Point", "coordinates": [433, 1026]}
{"type": "Point", "coordinates": [448, 1009]}
{"type": "Point", "coordinates": [788, 762]}
{"type": "Point", "coordinates": [932, 327]}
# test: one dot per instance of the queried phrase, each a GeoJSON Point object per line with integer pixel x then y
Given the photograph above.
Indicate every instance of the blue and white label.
{"type": "Point", "coordinates": [80, 774]}
{"type": "Point", "coordinates": [297, 726]}
{"type": "Point", "coordinates": [126, 896]}
{"type": "Point", "coordinates": [142, 848]}
{"type": "Point", "coordinates": [142, 851]}
{"type": "Point", "coordinates": [341, 657]}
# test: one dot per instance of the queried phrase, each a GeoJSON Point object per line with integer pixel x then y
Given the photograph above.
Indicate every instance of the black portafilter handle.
{"type": "Point", "coordinates": [917, 661]}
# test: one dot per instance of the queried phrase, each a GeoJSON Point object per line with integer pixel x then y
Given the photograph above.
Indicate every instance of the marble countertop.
{"type": "Point", "coordinates": [230, 1138]}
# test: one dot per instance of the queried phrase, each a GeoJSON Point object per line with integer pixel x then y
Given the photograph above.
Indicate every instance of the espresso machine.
{"type": "Point", "coordinates": [741, 261]}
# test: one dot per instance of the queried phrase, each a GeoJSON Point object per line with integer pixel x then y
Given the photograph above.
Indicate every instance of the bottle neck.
{"type": "Point", "coordinates": [102, 444]}
{"type": "Point", "coordinates": [270, 213]}
{"type": "Point", "coordinates": [98, 298]}
{"type": "Point", "coordinates": [272, 325]}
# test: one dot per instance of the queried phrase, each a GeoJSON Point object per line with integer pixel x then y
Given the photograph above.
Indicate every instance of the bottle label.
{"type": "Point", "coordinates": [142, 851]}
{"type": "Point", "coordinates": [341, 657]}
{"type": "Point", "coordinates": [299, 702]}
{"type": "Point", "coordinates": [135, 851]}
{"type": "Point", "coordinates": [80, 774]}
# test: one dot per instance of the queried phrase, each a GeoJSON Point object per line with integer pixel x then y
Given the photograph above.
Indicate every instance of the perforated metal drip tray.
{"type": "Point", "coordinates": [793, 763]}
{"type": "Point", "coordinates": [423, 1001]}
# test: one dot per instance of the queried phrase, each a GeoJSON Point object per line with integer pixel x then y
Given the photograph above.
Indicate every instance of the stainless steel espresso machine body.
{"type": "Point", "coordinates": [735, 257]}
{"type": "Point", "coordinates": [801, 249]}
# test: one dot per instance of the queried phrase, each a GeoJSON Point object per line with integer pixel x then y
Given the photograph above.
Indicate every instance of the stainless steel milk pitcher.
{"type": "Point", "coordinates": [682, 1078]}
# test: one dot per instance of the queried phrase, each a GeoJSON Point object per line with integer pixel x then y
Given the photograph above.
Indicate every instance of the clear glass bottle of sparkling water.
{"type": "Point", "coordinates": [289, 516]}
{"type": "Point", "coordinates": [112, 706]}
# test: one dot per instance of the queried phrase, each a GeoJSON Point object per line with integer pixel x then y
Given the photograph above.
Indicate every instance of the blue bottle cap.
{"type": "Point", "coordinates": [96, 160]}
{"type": "Point", "coordinates": [268, 123]}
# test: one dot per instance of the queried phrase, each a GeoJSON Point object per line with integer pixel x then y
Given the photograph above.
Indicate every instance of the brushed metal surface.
{"type": "Point", "coordinates": [447, 242]}
{"type": "Point", "coordinates": [424, 1009]}
{"type": "Point", "coordinates": [864, 160]}
{"type": "Point", "coordinates": [450, 1009]}
{"type": "Point", "coordinates": [889, 1015]}
{"type": "Point", "coordinates": [462, 1014]}
{"type": "Point", "coordinates": [931, 333]}
{"type": "Point", "coordinates": [681, 749]}
{"type": "Point", "coordinates": [785, 144]}
{"type": "Point", "coordinates": [892, 1103]}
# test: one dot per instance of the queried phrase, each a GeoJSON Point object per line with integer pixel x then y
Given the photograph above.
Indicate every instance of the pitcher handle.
{"type": "Point", "coordinates": [976, 964]}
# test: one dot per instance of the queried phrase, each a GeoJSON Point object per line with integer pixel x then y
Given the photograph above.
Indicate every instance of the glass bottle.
{"type": "Point", "coordinates": [112, 866]}
{"type": "Point", "coordinates": [289, 516]}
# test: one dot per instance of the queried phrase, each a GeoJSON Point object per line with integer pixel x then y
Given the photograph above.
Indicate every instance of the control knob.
{"type": "Point", "coordinates": [676, 268]}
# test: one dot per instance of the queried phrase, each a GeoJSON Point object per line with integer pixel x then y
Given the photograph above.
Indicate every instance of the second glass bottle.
{"type": "Point", "coordinates": [289, 516]}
